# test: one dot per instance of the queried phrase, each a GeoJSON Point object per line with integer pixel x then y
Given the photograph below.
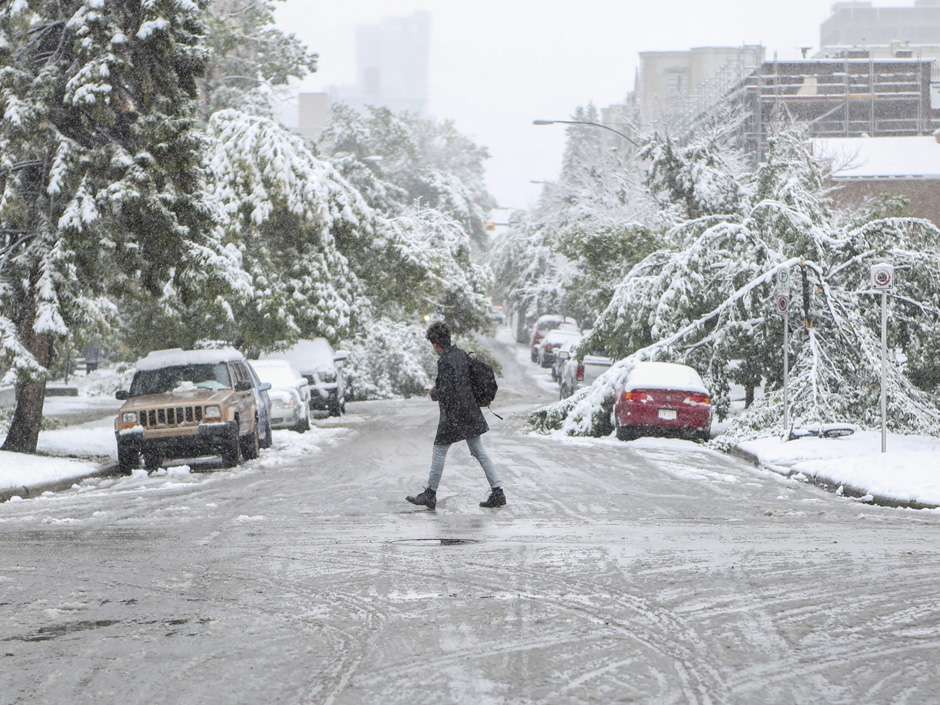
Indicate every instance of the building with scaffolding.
{"type": "Point", "coordinates": [847, 97]}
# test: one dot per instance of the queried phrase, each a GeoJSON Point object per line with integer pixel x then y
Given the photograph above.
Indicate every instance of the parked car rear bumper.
{"type": "Point", "coordinates": [646, 417]}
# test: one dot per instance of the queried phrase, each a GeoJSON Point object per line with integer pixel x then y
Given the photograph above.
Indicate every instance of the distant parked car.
{"type": "Point", "coordinates": [322, 367]}
{"type": "Point", "coordinates": [662, 398]}
{"type": "Point", "coordinates": [290, 394]}
{"type": "Point", "coordinates": [576, 373]}
{"type": "Point", "coordinates": [188, 404]}
{"type": "Point", "coordinates": [552, 341]}
{"type": "Point", "coordinates": [541, 328]}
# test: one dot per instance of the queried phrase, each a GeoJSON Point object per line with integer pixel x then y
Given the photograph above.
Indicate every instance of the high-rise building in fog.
{"type": "Point", "coordinates": [392, 64]}
{"type": "Point", "coordinates": [860, 23]}
{"type": "Point", "coordinates": [861, 30]}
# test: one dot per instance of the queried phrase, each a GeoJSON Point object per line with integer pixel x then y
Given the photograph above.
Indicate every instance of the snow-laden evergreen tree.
{"type": "Point", "coordinates": [707, 300]}
{"type": "Point", "coordinates": [388, 359]}
{"type": "Point", "coordinates": [399, 160]}
{"type": "Point", "coordinates": [100, 180]}
{"type": "Point", "coordinates": [249, 57]}
{"type": "Point", "coordinates": [291, 215]}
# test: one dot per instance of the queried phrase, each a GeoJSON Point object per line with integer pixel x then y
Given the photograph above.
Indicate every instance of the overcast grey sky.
{"type": "Point", "coordinates": [497, 64]}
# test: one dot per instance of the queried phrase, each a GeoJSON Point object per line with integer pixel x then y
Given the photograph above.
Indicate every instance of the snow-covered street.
{"type": "Point", "coordinates": [655, 572]}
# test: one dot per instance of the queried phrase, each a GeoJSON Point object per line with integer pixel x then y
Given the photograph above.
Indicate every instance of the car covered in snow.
{"type": "Point", "coordinates": [575, 373]}
{"type": "Point", "coordinates": [543, 325]}
{"type": "Point", "coordinates": [322, 367]}
{"type": "Point", "coordinates": [660, 398]}
{"type": "Point", "coordinates": [290, 394]}
{"type": "Point", "coordinates": [190, 404]}
{"type": "Point", "coordinates": [554, 341]}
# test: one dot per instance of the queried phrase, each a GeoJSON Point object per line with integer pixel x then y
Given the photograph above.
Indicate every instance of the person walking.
{"type": "Point", "coordinates": [461, 418]}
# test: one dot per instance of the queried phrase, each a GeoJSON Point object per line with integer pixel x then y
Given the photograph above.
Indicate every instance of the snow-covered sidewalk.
{"type": "Point", "coordinates": [908, 474]}
{"type": "Point", "coordinates": [72, 454]}
{"type": "Point", "coordinates": [68, 455]}
{"type": "Point", "coordinates": [22, 475]}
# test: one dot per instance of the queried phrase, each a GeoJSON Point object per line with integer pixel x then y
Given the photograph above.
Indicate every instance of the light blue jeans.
{"type": "Point", "coordinates": [476, 450]}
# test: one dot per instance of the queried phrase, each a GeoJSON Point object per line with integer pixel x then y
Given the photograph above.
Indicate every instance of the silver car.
{"type": "Point", "coordinates": [290, 394]}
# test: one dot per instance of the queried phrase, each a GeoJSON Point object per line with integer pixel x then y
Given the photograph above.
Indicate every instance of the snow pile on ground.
{"type": "Point", "coordinates": [908, 472]}
{"type": "Point", "coordinates": [19, 470]}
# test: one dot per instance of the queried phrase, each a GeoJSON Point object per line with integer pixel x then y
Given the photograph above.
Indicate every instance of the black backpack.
{"type": "Point", "coordinates": [482, 381]}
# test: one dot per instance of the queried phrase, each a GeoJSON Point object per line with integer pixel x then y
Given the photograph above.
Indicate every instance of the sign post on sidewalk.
{"type": "Point", "coordinates": [882, 279]}
{"type": "Point", "coordinates": [782, 304]}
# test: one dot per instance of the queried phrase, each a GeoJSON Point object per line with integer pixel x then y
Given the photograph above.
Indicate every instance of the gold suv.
{"type": "Point", "coordinates": [190, 403]}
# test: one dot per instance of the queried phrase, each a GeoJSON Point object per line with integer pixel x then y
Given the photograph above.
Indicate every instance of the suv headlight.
{"type": "Point", "coordinates": [129, 418]}
{"type": "Point", "coordinates": [212, 412]}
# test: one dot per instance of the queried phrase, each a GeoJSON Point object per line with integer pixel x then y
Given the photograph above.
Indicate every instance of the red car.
{"type": "Point", "coordinates": [661, 398]}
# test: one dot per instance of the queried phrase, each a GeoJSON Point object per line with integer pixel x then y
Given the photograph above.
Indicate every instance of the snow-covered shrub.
{"type": "Point", "coordinates": [390, 360]}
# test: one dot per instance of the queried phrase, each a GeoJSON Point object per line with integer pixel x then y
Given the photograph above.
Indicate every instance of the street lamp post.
{"type": "Point", "coordinates": [590, 124]}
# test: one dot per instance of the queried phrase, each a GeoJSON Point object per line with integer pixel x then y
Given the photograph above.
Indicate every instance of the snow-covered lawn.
{"type": "Point", "coordinates": [20, 470]}
{"type": "Point", "coordinates": [908, 472]}
{"type": "Point", "coordinates": [88, 440]}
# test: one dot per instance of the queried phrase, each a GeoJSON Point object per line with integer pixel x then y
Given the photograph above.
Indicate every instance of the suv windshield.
{"type": "Point", "coordinates": [182, 377]}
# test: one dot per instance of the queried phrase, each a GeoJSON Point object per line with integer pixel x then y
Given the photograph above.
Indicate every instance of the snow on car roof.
{"type": "Point", "coordinates": [664, 375]}
{"type": "Point", "coordinates": [560, 334]}
{"type": "Point", "coordinates": [307, 355]}
{"type": "Point", "coordinates": [551, 317]}
{"type": "Point", "coordinates": [177, 357]}
{"type": "Point", "coordinates": [278, 373]}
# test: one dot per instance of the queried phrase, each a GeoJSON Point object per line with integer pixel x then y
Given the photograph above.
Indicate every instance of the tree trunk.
{"type": "Point", "coordinates": [748, 396]}
{"type": "Point", "coordinates": [30, 396]}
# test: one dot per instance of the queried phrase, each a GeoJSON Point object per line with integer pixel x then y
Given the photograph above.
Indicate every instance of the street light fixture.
{"type": "Point", "coordinates": [590, 124]}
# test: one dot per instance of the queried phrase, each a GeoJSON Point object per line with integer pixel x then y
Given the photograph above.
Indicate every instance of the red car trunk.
{"type": "Point", "coordinates": [665, 410]}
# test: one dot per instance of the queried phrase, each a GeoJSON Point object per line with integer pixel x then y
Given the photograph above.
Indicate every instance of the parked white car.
{"type": "Point", "coordinates": [581, 373]}
{"type": "Point", "coordinates": [322, 367]}
{"type": "Point", "coordinates": [544, 325]}
{"type": "Point", "coordinates": [290, 394]}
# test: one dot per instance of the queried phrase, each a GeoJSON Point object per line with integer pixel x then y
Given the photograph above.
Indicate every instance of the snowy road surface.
{"type": "Point", "coordinates": [652, 572]}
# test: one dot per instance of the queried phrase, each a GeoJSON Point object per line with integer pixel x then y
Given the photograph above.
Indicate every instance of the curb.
{"type": "Point", "coordinates": [829, 485]}
{"type": "Point", "coordinates": [34, 491]}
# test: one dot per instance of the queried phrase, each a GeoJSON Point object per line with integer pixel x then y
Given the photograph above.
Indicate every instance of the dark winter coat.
{"type": "Point", "coordinates": [461, 417]}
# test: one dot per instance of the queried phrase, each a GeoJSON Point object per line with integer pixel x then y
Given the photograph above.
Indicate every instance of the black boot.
{"type": "Point", "coordinates": [428, 499]}
{"type": "Point", "coordinates": [496, 499]}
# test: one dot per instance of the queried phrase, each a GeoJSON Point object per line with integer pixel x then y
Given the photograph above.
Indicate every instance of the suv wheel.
{"type": "Point", "coordinates": [250, 445]}
{"type": "Point", "coordinates": [127, 460]}
{"type": "Point", "coordinates": [152, 461]}
{"type": "Point", "coordinates": [231, 453]}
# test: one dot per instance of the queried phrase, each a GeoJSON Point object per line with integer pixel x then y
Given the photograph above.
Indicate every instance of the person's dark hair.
{"type": "Point", "coordinates": [439, 334]}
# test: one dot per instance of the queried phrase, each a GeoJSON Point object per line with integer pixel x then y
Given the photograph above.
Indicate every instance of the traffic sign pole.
{"type": "Point", "coordinates": [786, 374]}
{"type": "Point", "coordinates": [782, 304]}
{"type": "Point", "coordinates": [884, 371]}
